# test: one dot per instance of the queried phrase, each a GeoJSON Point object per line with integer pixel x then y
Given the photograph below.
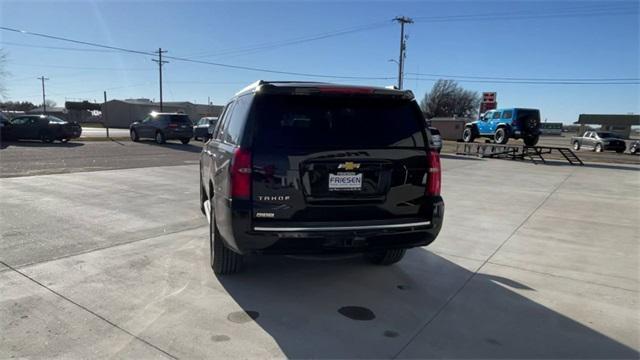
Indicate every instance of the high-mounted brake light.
{"type": "Point", "coordinates": [434, 180]}
{"type": "Point", "coordinates": [241, 174]}
{"type": "Point", "coordinates": [345, 90]}
{"type": "Point", "coordinates": [173, 125]}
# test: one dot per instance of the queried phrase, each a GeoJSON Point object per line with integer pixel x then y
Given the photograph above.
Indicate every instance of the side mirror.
{"type": "Point", "coordinates": [210, 129]}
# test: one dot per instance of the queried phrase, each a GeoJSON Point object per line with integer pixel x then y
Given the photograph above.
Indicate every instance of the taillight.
{"type": "Point", "coordinates": [241, 174]}
{"type": "Point", "coordinates": [433, 174]}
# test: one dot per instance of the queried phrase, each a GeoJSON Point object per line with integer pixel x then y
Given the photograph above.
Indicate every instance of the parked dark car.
{"type": "Point", "coordinates": [46, 128]}
{"type": "Point", "coordinates": [599, 141]}
{"type": "Point", "coordinates": [436, 139]}
{"type": "Point", "coordinates": [504, 124]}
{"type": "Point", "coordinates": [162, 127]}
{"type": "Point", "coordinates": [635, 147]}
{"type": "Point", "coordinates": [201, 128]}
{"type": "Point", "coordinates": [4, 121]}
{"type": "Point", "coordinates": [295, 168]}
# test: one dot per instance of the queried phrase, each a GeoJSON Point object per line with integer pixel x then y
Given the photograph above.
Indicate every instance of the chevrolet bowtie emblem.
{"type": "Point", "coordinates": [349, 166]}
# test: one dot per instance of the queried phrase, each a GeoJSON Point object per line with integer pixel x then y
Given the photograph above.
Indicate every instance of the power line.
{"type": "Point", "coordinates": [80, 67]}
{"type": "Point", "coordinates": [237, 67]}
{"type": "Point", "coordinates": [534, 82]}
{"type": "Point", "coordinates": [76, 41]}
{"type": "Point", "coordinates": [294, 41]}
{"type": "Point", "coordinates": [56, 47]}
{"type": "Point", "coordinates": [523, 79]}
{"type": "Point", "coordinates": [583, 10]}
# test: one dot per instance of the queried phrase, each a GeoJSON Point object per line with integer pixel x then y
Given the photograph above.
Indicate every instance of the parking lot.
{"type": "Point", "coordinates": [534, 261]}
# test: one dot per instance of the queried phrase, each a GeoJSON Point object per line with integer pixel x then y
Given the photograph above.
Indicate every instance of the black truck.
{"type": "Point", "coordinates": [296, 168]}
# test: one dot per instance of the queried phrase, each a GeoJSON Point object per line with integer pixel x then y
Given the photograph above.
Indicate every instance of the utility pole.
{"type": "Point", "coordinates": [403, 46]}
{"type": "Point", "coordinates": [104, 113]}
{"type": "Point", "coordinates": [160, 63]}
{"type": "Point", "coordinates": [44, 103]}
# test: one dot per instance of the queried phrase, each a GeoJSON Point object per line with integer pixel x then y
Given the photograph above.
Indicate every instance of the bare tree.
{"type": "Point", "coordinates": [50, 103]}
{"type": "Point", "coordinates": [448, 99]}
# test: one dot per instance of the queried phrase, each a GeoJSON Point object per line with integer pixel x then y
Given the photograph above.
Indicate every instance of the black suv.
{"type": "Point", "coordinates": [163, 127]}
{"type": "Point", "coordinates": [296, 168]}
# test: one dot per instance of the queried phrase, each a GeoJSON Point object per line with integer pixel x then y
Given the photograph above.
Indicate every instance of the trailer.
{"type": "Point", "coordinates": [516, 152]}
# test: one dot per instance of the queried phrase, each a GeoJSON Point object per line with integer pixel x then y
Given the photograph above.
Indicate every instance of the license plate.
{"type": "Point", "coordinates": [345, 182]}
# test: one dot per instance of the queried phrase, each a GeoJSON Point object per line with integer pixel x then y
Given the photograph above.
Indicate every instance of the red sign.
{"type": "Point", "coordinates": [489, 97]}
{"type": "Point", "coordinates": [486, 106]}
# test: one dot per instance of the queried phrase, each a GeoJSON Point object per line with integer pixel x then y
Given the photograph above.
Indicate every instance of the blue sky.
{"type": "Point", "coordinates": [541, 39]}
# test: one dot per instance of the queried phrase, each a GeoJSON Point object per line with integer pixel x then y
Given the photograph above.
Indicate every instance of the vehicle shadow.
{"type": "Point", "coordinates": [176, 145]}
{"type": "Point", "coordinates": [345, 308]}
{"type": "Point", "coordinates": [36, 143]}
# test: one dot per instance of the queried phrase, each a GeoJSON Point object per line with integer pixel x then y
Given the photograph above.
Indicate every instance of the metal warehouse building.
{"type": "Point", "coordinates": [121, 113]}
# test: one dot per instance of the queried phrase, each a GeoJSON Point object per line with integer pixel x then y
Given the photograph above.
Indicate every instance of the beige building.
{"type": "Point", "coordinates": [121, 113]}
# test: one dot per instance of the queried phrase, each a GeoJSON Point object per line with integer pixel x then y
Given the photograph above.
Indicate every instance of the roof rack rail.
{"type": "Point", "coordinates": [251, 86]}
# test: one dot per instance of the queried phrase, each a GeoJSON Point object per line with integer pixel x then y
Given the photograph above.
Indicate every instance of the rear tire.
{"type": "Point", "coordinates": [223, 260]}
{"type": "Point", "coordinates": [531, 140]}
{"type": "Point", "coordinates": [576, 145]}
{"type": "Point", "coordinates": [134, 135]}
{"type": "Point", "coordinates": [633, 150]}
{"type": "Point", "coordinates": [501, 136]}
{"type": "Point", "coordinates": [185, 141]}
{"type": "Point", "coordinates": [46, 138]}
{"type": "Point", "coordinates": [598, 148]}
{"type": "Point", "coordinates": [468, 136]}
{"type": "Point", "coordinates": [160, 138]}
{"type": "Point", "coordinates": [203, 198]}
{"type": "Point", "coordinates": [385, 257]}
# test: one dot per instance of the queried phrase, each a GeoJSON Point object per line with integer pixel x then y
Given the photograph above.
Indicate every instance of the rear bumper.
{"type": "Point", "coordinates": [72, 133]}
{"type": "Point", "coordinates": [178, 134]}
{"type": "Point", "coordinates": [614, 147]}
{"type": "Point", "coordinates": [343, 237]}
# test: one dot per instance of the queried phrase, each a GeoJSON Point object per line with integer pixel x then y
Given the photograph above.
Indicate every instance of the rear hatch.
{"type": "Point", "coordinates": [338, 158]}
{"type": "Point", "coordinates": [529, 120]}
{"type": "Point", "coordinates": [180, 123]}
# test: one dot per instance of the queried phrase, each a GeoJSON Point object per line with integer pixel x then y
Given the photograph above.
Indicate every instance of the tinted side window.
{"type": "Point", "coordinates": [507, 114]}
{"type": "Point", "coordinates": [496, 115]}
{"type": "Point", "coordinates": [19, 120]}
{"type": "Point", "coordinates": [237, 120]}
{"type": "Point", "coordinates": [224, 121]}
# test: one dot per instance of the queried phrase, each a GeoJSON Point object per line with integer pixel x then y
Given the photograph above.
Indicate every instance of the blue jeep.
{"type": "Point", "coordinates": [503, 124]}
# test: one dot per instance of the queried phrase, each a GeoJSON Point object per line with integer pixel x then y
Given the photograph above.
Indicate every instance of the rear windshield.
{"type": "Point", "coordinates": [336, 122]}
{"type": "Point", "coordinates": [526, 114]}
{"type": "Point", "coordinates": [605, 135]}
{"type": "Point", "coordinates": [178, 119]}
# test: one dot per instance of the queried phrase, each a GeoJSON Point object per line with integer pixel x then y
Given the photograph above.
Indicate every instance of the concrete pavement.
{"type": "Point", "coordinates": [533, 261]}
{"type": "Point", "coordinates": [26, 158]}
